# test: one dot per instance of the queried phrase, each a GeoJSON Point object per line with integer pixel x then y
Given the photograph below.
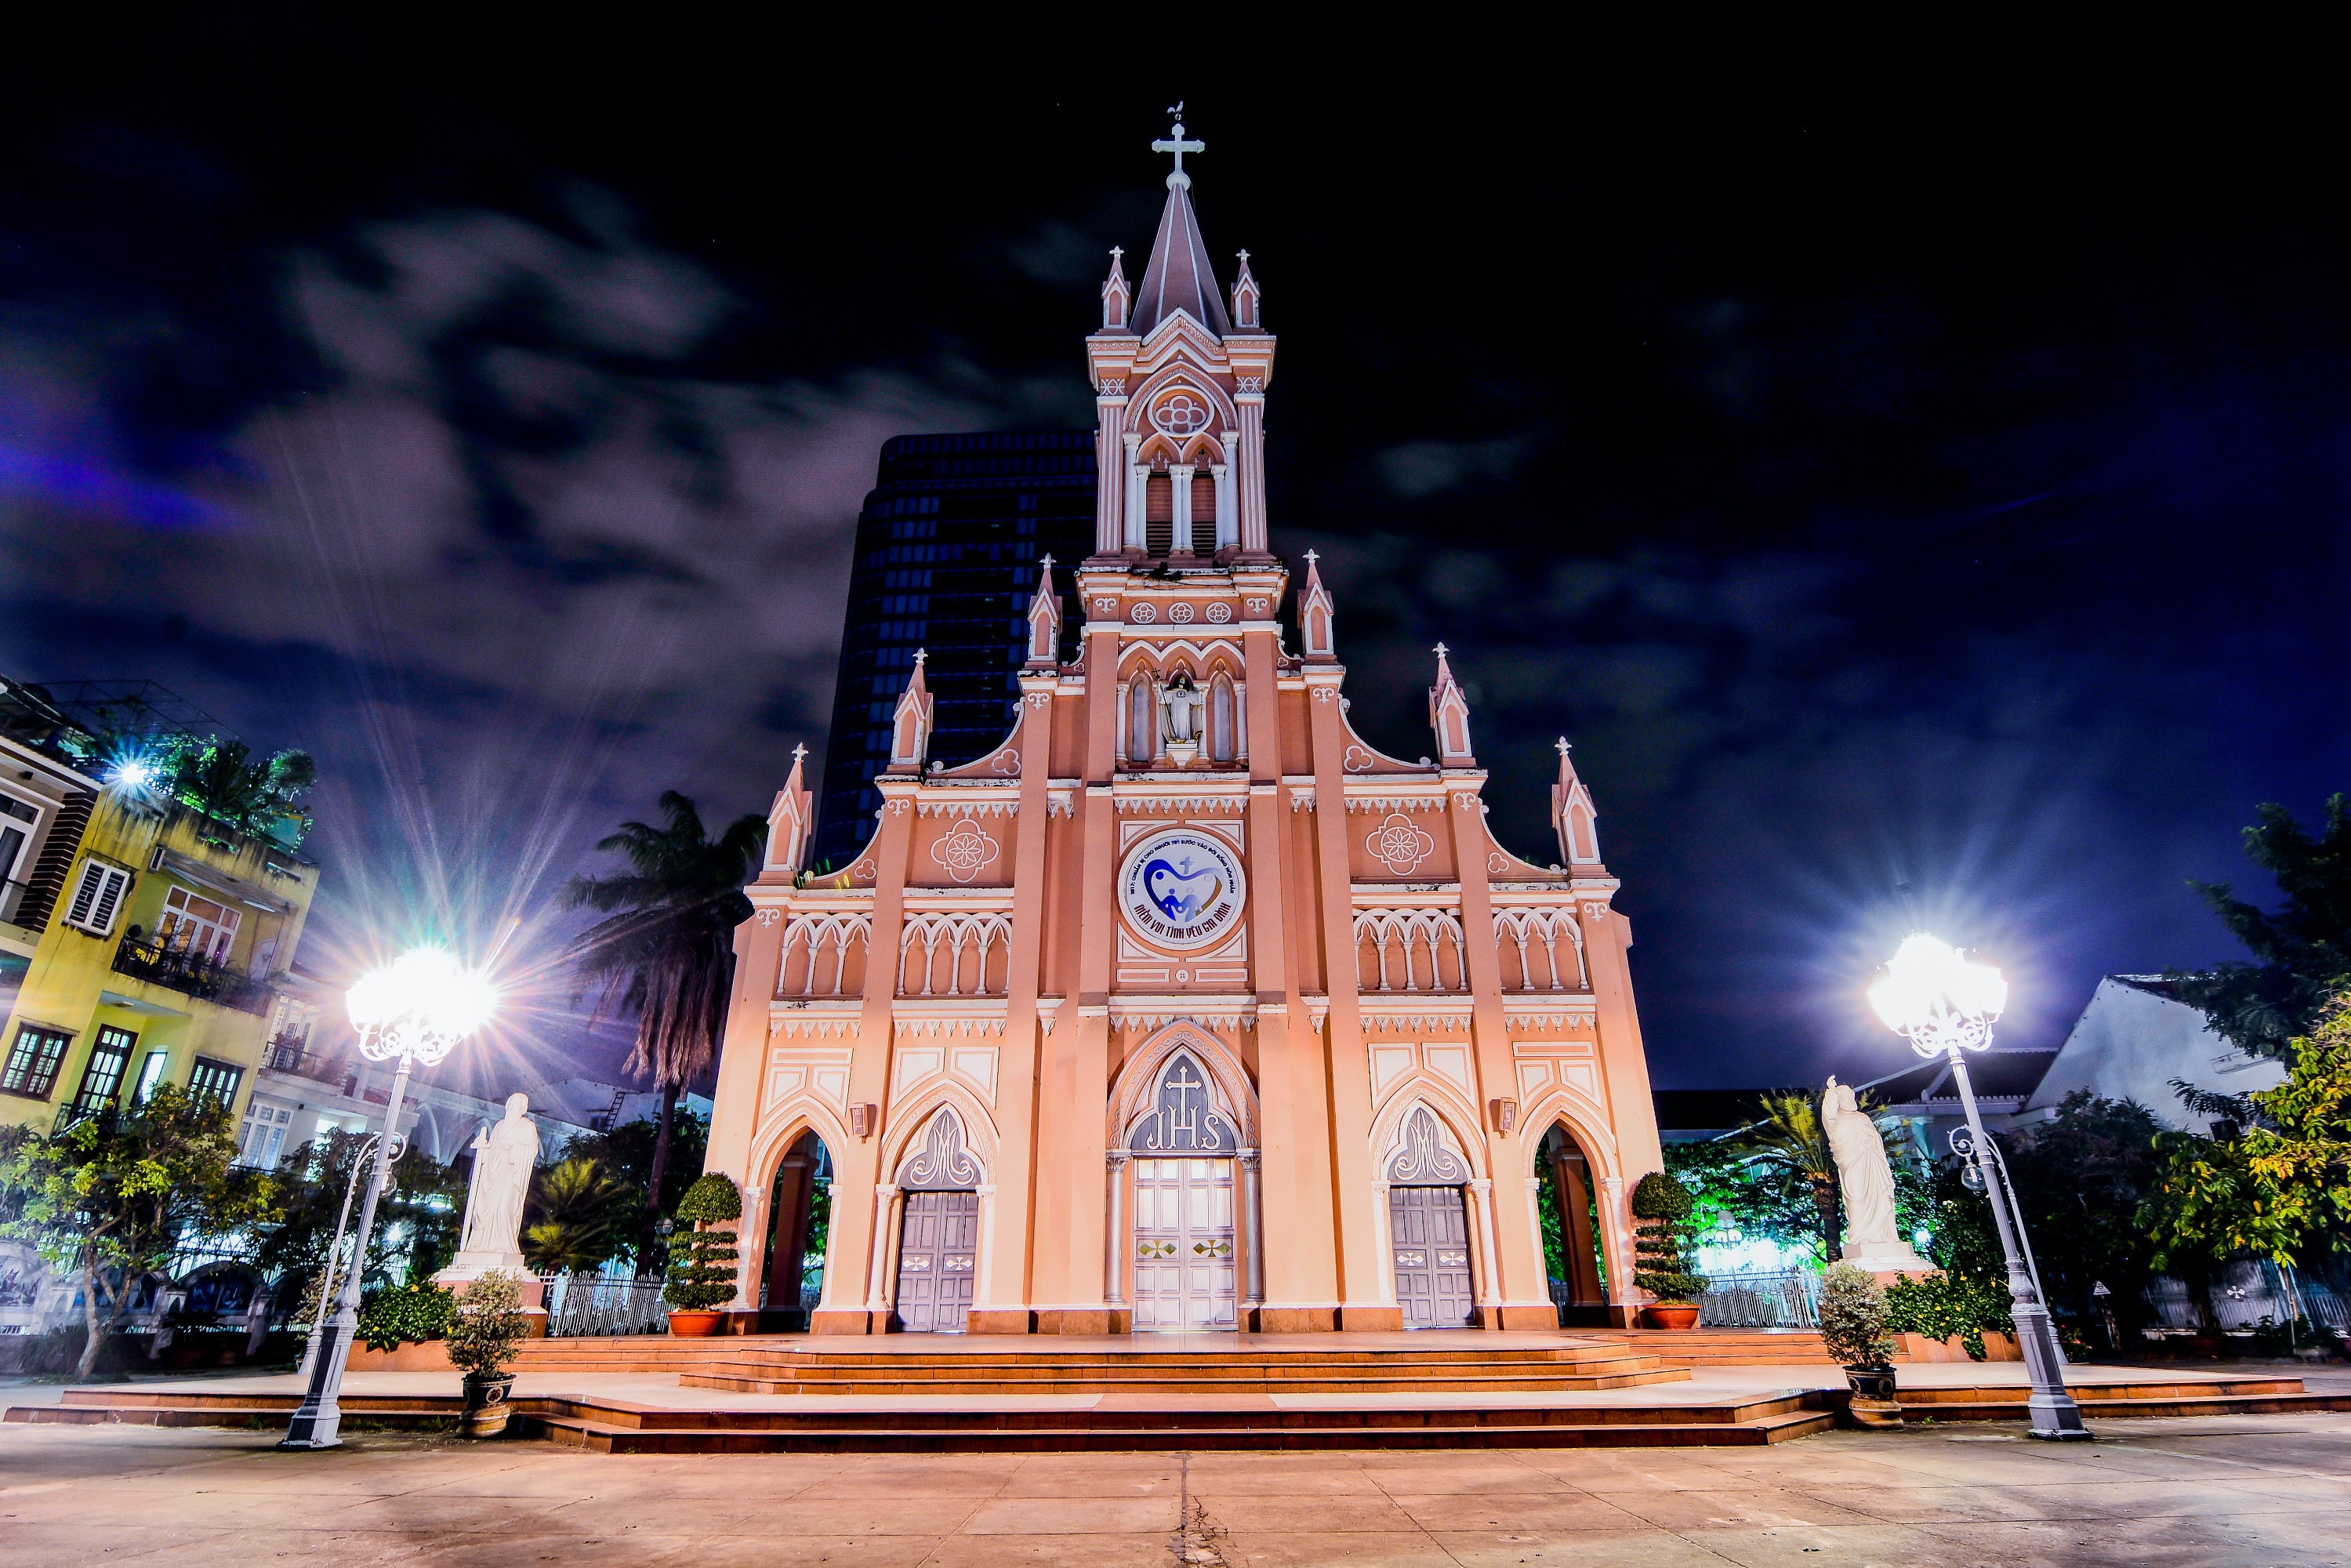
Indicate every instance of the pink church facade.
{"type": "Point", "coordinates": [1186, 1007]}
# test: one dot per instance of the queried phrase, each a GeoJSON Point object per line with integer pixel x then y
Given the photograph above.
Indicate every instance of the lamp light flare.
{"type": "Point", "coordinates": [131, 773]}
{"type": "Point", "coordinates": [420, 1005]}
{"type": "Point", "coordinates": [1937, 996]}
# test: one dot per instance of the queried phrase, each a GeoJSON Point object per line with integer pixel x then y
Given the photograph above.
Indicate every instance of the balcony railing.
{"type": "Point", "coordinates": [191, 974]}
{"type": "Point", "coordinates": [288, 1053]}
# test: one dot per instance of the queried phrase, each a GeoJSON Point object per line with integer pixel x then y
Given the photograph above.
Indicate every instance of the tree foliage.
{"type": "Point", "coordinates": [1852, 1317]}
{"type": "Point", "coordinates": [2302, 952]}
{"type": "Point", "coordinates": [486, 1324]}
{"type": "Point", "coordinates": [666, 953]}
{"type": "Point", "coordinates": [2276, 1183]}
{"type": "Point", "coordinates": [1661, 1207]}
{"type": "Point", "coordinates": [405, 1314]}
{"type": "Point", "coordinates": [110, 1201]}
{"type": "Point", "coordinates": [2081, 1178]}
{"type": "Point", "coordinates": [583, 1218]}
{"type": "Point", "coordinates": [1788, 1149]}
{"type": "Point", "coordinates": [416, 1219]}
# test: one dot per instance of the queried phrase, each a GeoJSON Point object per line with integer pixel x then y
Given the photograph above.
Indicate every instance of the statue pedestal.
{"type": "Point", "coordinates": [469, 1267]}
{"type": "Point", "coordinates": [1886, 1260]}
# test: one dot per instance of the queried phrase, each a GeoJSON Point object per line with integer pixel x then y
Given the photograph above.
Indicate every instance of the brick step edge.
{"type": "Point", "coordinates": [2152, 1388]}
{"type": "Point", "coordinates": [976, 1387]}
{"type": "Point", "coordinates": [640, 1440]}
{"type": "Point", "coordinates": [202, 1416]}
{"type": "Point", "coordinates": [643, 1418]}
{"type": "Point", "coordinates": [2209, 1404]}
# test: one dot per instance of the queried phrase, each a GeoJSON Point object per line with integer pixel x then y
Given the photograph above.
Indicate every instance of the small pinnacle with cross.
{"type": "Point", "coordinates": [1178, 146]}
{"type": "Point", "coordinates": [800, 753]}
{"type": "Point", "coordinates": [1116, 251]}
{"type": "Point", "coordinates": [1244, 255]}
{"type": "Point", "coordinates": [921, 654]}
{"type": "Point", "coordinates": [1311, 557]}
{"type": "Point", "coordinates": [1561, 746]}
{"type": "Point", "coordinates": [1048, 563]}
{"type": "Point", "coordinates": [1442, 650]}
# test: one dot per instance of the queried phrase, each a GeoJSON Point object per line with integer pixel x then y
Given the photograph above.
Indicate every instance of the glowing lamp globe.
{"type": "Point", "coordinates": [1938, 997]}
{"type": "Point", "coordinates": [134, 773]}
{"type": "Point", "coordinates": [420, 1006]}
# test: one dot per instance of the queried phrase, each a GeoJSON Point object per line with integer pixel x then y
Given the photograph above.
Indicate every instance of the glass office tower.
{"type": "Point", "coordinates": [947, 547]}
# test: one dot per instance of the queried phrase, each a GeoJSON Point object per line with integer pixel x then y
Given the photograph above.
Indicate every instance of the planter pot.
{"type": "Point", "coordinates": [485, 1404]}
{"type": "Point", "coordinates": [1675, 1315]}
{"type": "Point", "coordinates": [695, 1325]}
{"type": "Point", "coordinates": [1874, 1402]}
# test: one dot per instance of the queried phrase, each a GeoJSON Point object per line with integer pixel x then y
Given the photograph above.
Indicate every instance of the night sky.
{"type": "Point", "coordinates": [1927, 511]}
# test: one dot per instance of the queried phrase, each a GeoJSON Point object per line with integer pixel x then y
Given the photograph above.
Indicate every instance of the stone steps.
{"type": "Point", "coordinates": [2151, 1397]}
{"type": "Point", "coordinates": [1724, 1347]}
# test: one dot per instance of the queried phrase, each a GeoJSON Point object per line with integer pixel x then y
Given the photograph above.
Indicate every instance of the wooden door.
{"type": "Point", "coordinates": [1184, 1254]}
{"type": "Point", "coordinates": [938, 1259]}
{"type": "Point", "coordinates": [1429, 1229]}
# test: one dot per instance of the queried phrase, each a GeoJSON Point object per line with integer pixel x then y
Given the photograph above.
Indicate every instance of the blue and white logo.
{"type": "Point", "coordinates": [1182, 889]}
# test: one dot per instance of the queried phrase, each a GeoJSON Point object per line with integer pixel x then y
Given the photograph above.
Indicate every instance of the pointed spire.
{"type": "Point", "coordinates": [1044, 621]}
{"type": "Point", "coordinates": [1314, 616]}
{"type": "Point", "coordinates": [1449, 714]}
{"type": "Point", "coordinates": [1179, 276]}
{"type": "Point", "coordinates": [791, 818]}
{"type": "Point", "coordinates": [1572, 815]}
{"type": "Point", "coordinates": [1246, 299]}
{"type": "Point", "coordinates": [910, 726]}
{"type": "Point", "coordinates": [1116, 296]}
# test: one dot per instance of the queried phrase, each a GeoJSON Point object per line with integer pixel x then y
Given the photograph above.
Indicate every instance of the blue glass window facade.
{"type": "Point", "coordinates": [947, 547]}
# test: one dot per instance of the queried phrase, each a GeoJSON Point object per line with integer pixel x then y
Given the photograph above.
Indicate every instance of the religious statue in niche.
{"type": "Point", "coordinates": [1181, 702]}
{"type": "Point", "coordinates": [1872, 1238]}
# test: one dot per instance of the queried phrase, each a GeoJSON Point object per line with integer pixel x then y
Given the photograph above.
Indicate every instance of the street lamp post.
{"type": "Point", "coordinates": [1946, 1004]}
{"type": "Point", "coordinates": [416, 1010]}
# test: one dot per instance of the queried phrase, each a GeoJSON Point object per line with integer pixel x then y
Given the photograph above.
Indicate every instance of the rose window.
{"type": "Point", "coordinates": [1180, 413]}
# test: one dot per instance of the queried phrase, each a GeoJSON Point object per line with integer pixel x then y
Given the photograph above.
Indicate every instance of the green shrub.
{"type": "Point", "coordinates": [702, 1260]}
{"type": "Point", "coordinates": [1852, 1317]}
{"type": "Point", "coordinates": [408, 1314]}
{"type": "Point", "coordinates": [486, 1324]}
{"type": "Point", "coordinates": [1941, 1305]}
{"type": "Point", "coordinates": [1660, 1205]}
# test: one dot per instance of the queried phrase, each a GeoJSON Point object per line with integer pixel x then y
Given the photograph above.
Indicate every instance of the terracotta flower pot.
{"type": "Point", "coordinates": [485, 1404]}
{"type": "Point", "coordinates": [1675, 1315]}
{"type": "Point", "coordinates": [695, 1325]}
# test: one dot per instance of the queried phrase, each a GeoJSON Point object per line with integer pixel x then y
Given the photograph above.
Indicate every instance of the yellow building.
{"type": "Point", "coordinates": [147, 943]}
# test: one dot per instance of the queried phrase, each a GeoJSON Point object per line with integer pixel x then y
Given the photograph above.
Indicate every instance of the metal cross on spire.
{"type": "Point", "coordinates": [1178, 146]}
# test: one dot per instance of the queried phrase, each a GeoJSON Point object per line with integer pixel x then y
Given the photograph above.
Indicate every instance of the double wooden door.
{"type": "Point", "coordinates": [1429, 1229]}
{"type": "Point", "coordinates": [938, 1259]}
{"type": "Point", "coordinates": [1184, 1253]}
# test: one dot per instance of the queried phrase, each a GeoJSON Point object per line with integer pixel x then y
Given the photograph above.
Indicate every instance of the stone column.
{"type": "Point", "coordinates": [1252, 465]}
{"type": "Point", "coordinates": [1137, 476]}
{"type": "Point", "coordinates": [981, 1293]}
{"type": "Point", "coordinates": [1387, 1242]}
{"type": "Point", "coordinates": [1490, 1287]}
{"type": "Point", "coordinates": [1621, 1302]}
{"type": "Point", "coordinates": [1180, 475]}
{"type": "Point", "coordinates": [1114, 1280]}
{"type": "Point", "coordinates": [1228, 499]}
{"type": "Point", "coordinates": [1575, 1231]}
{"type": "Point", "coordinates": [1252, 1231]}
{"type": "Point", "coordinates": [879, 1283]}
{"type": "Point", "coordinates": [1110, 523]}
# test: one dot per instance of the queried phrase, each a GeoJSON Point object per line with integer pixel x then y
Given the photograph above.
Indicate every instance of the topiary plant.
{"type": "Point", "coordinates": [1852, 1317]}
{"type": "Point", "coordinates": [486, 1324]}
{"type": "Point", "coordinates": [702, 1260]}
{"type": "Point", "coordinates": [1660, 1205]}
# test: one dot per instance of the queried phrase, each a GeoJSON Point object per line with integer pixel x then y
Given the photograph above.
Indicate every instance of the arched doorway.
{"type": "Point", "coordinates": [802, 1212]}
{"type": "Point", "coordinates": [938, 1237]}
{"type": "Point", "coordinates": [1184, 1150]}
{"type": "Point", "coordinates": [1429, 1226]}
{"type": "Point", "coordinates": [1573, 1259]}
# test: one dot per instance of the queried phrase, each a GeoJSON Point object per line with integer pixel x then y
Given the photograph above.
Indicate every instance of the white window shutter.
{"type": "Point", "coordinates": [97, 897]}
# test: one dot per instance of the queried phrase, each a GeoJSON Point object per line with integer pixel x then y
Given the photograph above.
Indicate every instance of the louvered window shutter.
{"type": "Point", "coordinates": [96, 897]}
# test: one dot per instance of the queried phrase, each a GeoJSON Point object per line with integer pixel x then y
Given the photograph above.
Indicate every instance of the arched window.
{"type": "Point", "coordinates": [1142, 722]}
{"type": "Point", "coordinates": [1158, 513]}
{"type": "Point", "coordinates": [1223, 742]}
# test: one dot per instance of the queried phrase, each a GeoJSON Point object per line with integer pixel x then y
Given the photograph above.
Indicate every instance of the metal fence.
{"type": "Point", "coordinates": [582, 1304]}
{"type": "Point", "coordinates": [2244, 1293]}
{"type": "Point", "coordinates": [1786, 1299]}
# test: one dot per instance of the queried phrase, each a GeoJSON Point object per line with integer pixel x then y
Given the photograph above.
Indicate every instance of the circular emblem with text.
{"type": "Point", "coordinates": [1181, 889]}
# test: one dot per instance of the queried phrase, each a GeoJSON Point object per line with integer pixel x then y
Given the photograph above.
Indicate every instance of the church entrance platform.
{"type": "Point", "coordinates": [1229, 1395]}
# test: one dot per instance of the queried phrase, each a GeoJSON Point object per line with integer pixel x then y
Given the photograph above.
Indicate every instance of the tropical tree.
{"type": "Point", "coordinates": [2081, 1177]}
{"type": "Point", "coordinates": [110, 1199]}
{"type": "Point", "coordinates": [666, 953]}
{"type": "Point", "coordinates": [417, 1217]}
{"type": "Point", "coordinates": [1789, 1148]}
{"type": "Point", "coordinates": [2302, 951]}
{"type": "Point", "coordinates": [2277, 1182]}
{"type": "Point", "coordinates": [582, 1219]}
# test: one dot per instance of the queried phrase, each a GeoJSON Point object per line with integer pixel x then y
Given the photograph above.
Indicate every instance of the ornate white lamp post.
{"type": "Point", "coordinates": [1946, 1004]}
{"type": "Point", "coordinates": [416, 1011]}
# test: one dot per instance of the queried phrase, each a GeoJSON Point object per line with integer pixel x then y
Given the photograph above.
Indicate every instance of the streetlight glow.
{"type": "Point", "coordinates": [133, 772]}
{"type": "Point", "coordinates": [1938, 997]}
{"type": "Point", "coordinates": [416, 1009]}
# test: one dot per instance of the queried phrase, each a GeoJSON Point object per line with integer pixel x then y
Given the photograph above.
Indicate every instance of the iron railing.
{"type": "Point", "coordinates": [584, 1304]}
{"type": "Point", "coordinates": [1783, 1299]}
{"type": "Point", "coordinates": [191, 974]}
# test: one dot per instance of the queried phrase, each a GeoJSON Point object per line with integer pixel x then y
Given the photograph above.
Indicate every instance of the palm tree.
{"type": "Point", "coordinates": [1790, 1143]}
{"type": "Point", "coordinates": [668, 955]}
{"type": "Point", "coordinates": [577, 1203]}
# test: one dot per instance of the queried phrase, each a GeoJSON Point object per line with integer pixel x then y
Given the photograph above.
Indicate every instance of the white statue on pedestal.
{"type": "Point", "coordinates": [504, 1159]}
{"type": "Point", "coordinates": [1865, 1178]}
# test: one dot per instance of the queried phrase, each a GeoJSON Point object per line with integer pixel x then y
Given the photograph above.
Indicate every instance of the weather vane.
{"type": "Point", "coordinates": [1178, 146]}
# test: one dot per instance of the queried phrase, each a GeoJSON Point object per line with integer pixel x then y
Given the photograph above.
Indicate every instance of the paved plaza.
{"type": "Point", "coordinates": [2230, 1489]}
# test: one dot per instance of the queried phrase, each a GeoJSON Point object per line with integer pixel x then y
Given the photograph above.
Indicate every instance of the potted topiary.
{"type": "Point", "coordinates": [702, 1258]}
{"type": "Point", "coordinates": [1660, 1205]}
{"type": "Point", "coordinates": [486, 1324]}
{"type": "Point", "coordinates": [1853, 1326]}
